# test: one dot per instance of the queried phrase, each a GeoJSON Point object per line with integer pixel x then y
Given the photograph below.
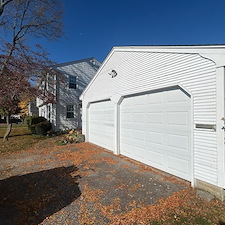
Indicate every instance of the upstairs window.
{"type": "Point", "coordinates": [70, 111]}
{"type": "Point", "coordinates": [72, 82]}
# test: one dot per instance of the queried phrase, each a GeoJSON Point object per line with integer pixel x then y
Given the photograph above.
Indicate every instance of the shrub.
{"type": "Point", "coordinates": [27, 120]}
{"type": "Point", "coordinates": [43, 128]}
{"type": "Point", "coordinates": [36, 120]}
{"type": "Point", "coordinates": [38, 125]}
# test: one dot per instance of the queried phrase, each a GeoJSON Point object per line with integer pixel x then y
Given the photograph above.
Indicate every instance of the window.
{"type": "Point", "coordinates": [70, 111]}
{"type": "Point", "coordinates": [72, 82]}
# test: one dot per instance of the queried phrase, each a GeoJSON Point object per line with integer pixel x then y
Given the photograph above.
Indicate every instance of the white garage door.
{"type": "Point", "coordinates": [101, 124]}
{"type": "Point", "coordinates": [156, 129]}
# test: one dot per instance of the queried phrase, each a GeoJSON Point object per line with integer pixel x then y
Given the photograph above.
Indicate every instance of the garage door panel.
{"type": "Point", "coordinates": [178, 118]}
{"type": "Point", "coordinates": [176, 96]}
{"type": "Point", "coordinates": [155, 137]}
{"type": "Point", "coordinates": [154, 148]}
{"type": "Point", "coordinates": [126, 133]}
{"type": "Point", "coordinates": [178, 165]}
{"type": "Point", "coordinates": [178, 141]}
{"type": "Point", "coordinates": [139, 135]}
{"type": "Point", "coordinates": [159, 128]}
{"type": "Point", "coordinates": [139, 152]}
{"type": "Point", "coordinates": [155, 118]}
{"type": "Point", "coordinates": [155, 98]}
{"type": "Point", "coordinates": [101, 124]}
{"type": "Point", "coordinates": [134, 142]}
{"type": "Point", "coordinates": [156, 158]}
{"type": "Point", "coordinates": [139, 100]}
{"type": "Point", "coordinates": [129, 149]}
{"type": "Point", "coordinates": [126, 117]}
{"type": "Point", "coordinates": [138, 117]}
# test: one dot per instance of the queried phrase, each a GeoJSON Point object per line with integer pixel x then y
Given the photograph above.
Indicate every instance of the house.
{"type": "Point", "coordinates": [32, 108]}
{"type": "Point", "coordinates": [163, 106]}
{"type": "Point", "coordinates": [66, 87]}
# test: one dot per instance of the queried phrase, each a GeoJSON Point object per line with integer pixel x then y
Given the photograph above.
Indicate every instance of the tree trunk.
{"type": "Point", "coordinates": [9, 128]}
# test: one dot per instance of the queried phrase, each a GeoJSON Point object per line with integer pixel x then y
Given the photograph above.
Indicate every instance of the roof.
{"type": "Point", "coordinates": [75, 62]}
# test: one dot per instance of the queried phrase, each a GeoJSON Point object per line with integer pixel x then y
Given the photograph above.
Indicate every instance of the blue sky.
{"type": "Point", "coordinates": [93, 27]}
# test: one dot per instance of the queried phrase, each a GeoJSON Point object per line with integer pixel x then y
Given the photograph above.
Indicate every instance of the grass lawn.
{"type": "Point", "coordinates": [19, 139]}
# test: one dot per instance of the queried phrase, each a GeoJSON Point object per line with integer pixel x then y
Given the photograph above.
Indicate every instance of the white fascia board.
{"type": "Point", "coordinates": [180, 49]}
{"type": "Point", "coordinates": [215, 53]}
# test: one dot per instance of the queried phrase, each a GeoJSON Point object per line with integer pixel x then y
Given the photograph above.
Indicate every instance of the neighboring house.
{"type": "Point", "coordinates": [163, 106]}
{"type": "Point", "coordinates": [65, 112]}
{"type": "Point", "coordinates": [32, 108]}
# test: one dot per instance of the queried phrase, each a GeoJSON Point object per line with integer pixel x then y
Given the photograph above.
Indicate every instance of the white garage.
{"type": "Point", "coordinates": [163, 106]}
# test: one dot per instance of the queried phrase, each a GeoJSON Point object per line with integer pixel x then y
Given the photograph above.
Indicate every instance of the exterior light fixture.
{"type": "Point", "coordinates": [113, 73]}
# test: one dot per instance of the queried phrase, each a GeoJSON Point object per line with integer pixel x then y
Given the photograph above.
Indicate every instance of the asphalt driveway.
{"type": "Point", "coordinates": [76, 184]}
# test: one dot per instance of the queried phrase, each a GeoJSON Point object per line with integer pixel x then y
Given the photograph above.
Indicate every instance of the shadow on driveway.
{"type": "Point", "coordinates": [30, 198]}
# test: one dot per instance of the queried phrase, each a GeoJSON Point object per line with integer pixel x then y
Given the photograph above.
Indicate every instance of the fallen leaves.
{"type": "Point", "coordinates": [182, 206]}
{"type": "Point", "coordinates": [96, 205]}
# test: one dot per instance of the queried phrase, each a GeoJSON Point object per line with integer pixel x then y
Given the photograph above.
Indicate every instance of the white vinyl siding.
{"type": "Point", "coordinates": [139, 72]}
{"type": "Point", "coordinates": [82, 72]}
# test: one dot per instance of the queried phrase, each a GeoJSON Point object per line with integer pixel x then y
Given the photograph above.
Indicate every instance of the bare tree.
{"type": "Point", "coordinates": [3, 3]}
{"type": "Point", "coordinates": [24, 21]}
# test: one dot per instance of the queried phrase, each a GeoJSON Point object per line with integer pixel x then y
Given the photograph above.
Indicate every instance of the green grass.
{"type": "Point", "coordinates": [19, 139]}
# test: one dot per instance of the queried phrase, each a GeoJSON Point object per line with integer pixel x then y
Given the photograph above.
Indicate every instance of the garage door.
{"type": "Point", "coordinates": [156, 129]}
{"type": "Point", "coordinates": [101, 124]}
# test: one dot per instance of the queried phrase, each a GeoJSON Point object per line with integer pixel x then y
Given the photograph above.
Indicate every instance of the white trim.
{"type": "Point", "coordinates": [116, 128]}
{"type": "Point", "coordinates": [117, 100]}
{"type": "Point", "coordinates": [219, 125]}
{"type": "Point", "coordinates": [192, 133]}
{"type": "Point", "coordinates": [87, 121]}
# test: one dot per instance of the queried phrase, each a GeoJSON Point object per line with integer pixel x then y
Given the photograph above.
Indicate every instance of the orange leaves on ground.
{"type": "Point", "coordinates": [181, 206]}
{"type": "Point", "coordinates": [91, 195]}
{"type": "Point", "coordinates": [109, 160]}
{"type": "Point", "coordinates": [110, 211]}
{"type": "Point", "coordinates": [80, 156]}
{"type": "Point", "coordinates": [135, 187]}
{"type": "Point", "coordinates": [120, 185]}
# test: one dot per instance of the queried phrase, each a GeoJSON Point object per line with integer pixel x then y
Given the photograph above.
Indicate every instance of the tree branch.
{"type": "Point", "coordinates": [3, 3]}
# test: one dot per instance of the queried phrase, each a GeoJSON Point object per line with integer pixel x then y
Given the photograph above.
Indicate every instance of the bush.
{"type": "Point", "coordinates": [38, 125]}
{"type": "Point", "coordinates": [27, 120]}
{"type": "Point", "coordinates": [31, 120]}
{"type": "Point", "coordinates": [36, 120]}
{"type": "Point", "coordinates": [43, 128]}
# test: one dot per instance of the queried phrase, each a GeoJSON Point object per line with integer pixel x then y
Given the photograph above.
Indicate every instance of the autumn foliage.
{"type": "Point", "coordinates": [22, 64]}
